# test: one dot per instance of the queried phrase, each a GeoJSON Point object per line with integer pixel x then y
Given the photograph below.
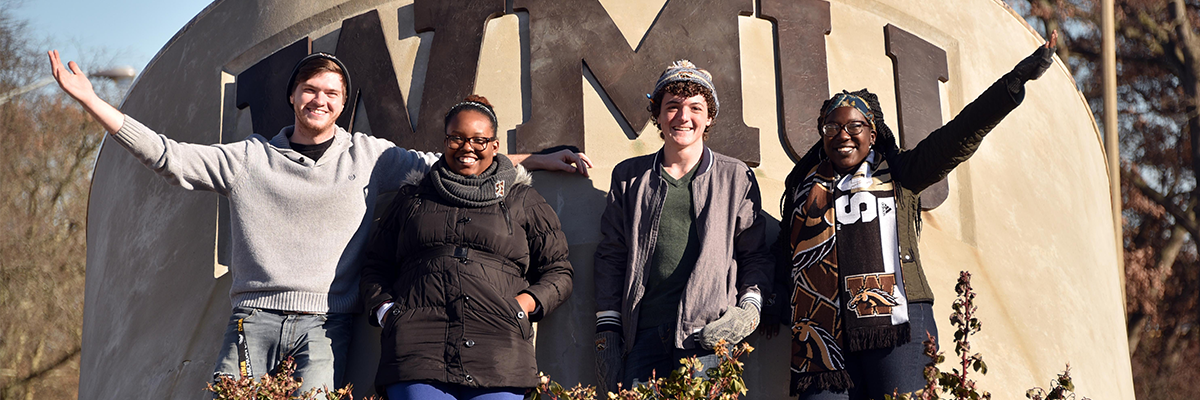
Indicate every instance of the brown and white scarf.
{"type": "Point", "coordinates": [847, 296]}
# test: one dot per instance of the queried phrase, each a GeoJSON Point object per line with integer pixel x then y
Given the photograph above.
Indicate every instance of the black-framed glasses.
{"type": "Point", "coordinates": [853, 128]}
{"type": "Point", "coordinates": [477, 143]}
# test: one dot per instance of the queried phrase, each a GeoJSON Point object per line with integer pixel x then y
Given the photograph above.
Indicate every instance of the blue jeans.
{"type": "Point", "coordinates": [449, 391]}
{"type": "Point", "coordinates": [882, 371]}
{"type": "Point", "coordinates": [318, 343]}
{"type": "Point", "coordinates": [654, 350]}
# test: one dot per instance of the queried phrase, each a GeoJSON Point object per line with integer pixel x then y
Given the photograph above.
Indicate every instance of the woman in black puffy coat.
{"type": "Point", "coordinates": [467, 257]}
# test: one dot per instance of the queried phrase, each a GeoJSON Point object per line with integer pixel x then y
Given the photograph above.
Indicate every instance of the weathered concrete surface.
{"type": "Point", "coordinates": [1028, 214]}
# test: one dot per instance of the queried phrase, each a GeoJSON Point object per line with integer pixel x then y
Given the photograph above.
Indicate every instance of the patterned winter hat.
{"type": "Point", "coordinates": [684, 70]}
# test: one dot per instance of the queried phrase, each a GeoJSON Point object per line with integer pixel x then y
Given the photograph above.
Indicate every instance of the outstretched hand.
{"type": "Point", "coordinates": [1036, 64]}
{"type": "Point", "coordinates": [75, 82]}
{"type": "Point", "coordinates": [72, 80]}
{"type": "Point", "coordinates": [562, 160]}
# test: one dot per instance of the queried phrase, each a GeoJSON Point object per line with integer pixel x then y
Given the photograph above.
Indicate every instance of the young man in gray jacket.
{"type": "Point", "coordinates": [300, 206]}
{"type": "Point", "coordinates": [684, 255]}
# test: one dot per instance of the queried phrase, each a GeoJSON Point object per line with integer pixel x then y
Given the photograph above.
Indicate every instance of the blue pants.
{"type": "Point", "coordinates": [654, 350]}
{"type": "Point", "coordinates": [449, 391]}
{"type": "Point", "coordinates": [318, 343]}
{"type": "Point", "coordinates": [882, 371]}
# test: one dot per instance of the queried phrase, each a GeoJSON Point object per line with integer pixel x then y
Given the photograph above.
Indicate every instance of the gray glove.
{"type": "Point", "coordinates": [609, 362]}
{"type": "Point", "coordinates": [737, 323]}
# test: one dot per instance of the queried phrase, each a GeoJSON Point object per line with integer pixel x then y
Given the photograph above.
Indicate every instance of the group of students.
{"type": "Point", "coordinates": [467, 256]}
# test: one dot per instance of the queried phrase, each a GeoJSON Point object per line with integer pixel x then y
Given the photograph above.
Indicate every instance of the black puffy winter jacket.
{"type": "Point", "coordinates": [453, 274]}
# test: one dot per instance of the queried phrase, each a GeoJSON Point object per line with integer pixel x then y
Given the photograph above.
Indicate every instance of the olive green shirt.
{"type": "Point", "coordinates": [675, 253]}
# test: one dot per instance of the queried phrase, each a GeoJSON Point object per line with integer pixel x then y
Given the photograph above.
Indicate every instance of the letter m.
{"type": "Point", "coordinates": [567, 37]}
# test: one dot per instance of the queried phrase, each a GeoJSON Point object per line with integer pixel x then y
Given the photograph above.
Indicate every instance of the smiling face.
{"type": "Point", "coordinates": [463, 157]}
{"type": "Point", "coordinates": [683, 120]}
{"type": "Point", "coordinates": [317, 102]}
{"type": "Point", "coordinates": [846, 151]}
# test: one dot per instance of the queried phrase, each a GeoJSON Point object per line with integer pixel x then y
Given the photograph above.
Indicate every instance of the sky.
{"type": "Point", "coordinates": [127, 32]}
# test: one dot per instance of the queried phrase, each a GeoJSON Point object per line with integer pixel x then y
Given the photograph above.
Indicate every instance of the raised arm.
{"type": "Point", "coordinates": [76, 84]}
{"type": "Point", "coordinates": [191, 166]}
{"type": "Point", "coordinates": [935, 156]}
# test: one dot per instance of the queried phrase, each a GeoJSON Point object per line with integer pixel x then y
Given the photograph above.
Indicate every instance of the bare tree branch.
{"type": "Point", "coordinates": [40, 372]}
{"type": "Point", "coordinates": [1186, 218]}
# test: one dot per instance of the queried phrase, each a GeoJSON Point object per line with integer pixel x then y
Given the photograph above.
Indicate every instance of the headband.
{"type": "Point", "coordinates": [685, 71]}
{"type": "Point", "coordinates": [477, 106]}
{"type": "Point", "coordinates": [845, 99]}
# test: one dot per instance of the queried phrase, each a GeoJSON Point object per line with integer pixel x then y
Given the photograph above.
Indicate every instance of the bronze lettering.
{"type": "Point", "coordinates": [458, 27]}
{"type": "Point", "coordinates": [919, 66]}
{"type": "Point", "coordinates": [263, 88]}
{"type": "Point", "coordinates": [803, 80]}
{"type": "Point", "coordinates": [363, 48]}
{"type": "Point", "coordinates": [453, 58]}
{"type": "Point", "coordinates": [566, 37]}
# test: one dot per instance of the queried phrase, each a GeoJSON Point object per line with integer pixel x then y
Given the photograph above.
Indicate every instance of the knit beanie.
{"type": "Point", "coordinates": [314, 56]}
{"type": "Point", "coordinates": [684, 70]}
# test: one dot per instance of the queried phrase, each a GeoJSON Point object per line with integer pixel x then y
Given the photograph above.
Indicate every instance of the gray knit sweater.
{"type": "Point", "coordinates": [297, 226]}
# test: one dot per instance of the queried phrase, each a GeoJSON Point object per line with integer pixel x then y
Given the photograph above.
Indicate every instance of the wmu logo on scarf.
{"type": "Point", "coordinates": [499, 188]}
{"type": "Point", "coordinates": [844, 231]}
{"type": "Point", "coordinates": [872, 294]}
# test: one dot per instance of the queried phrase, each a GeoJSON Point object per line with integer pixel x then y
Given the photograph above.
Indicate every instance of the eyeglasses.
{"type": "Point", "coordinates": [477, 143]}
{"type": "Point", "coordinates": [853, 128]}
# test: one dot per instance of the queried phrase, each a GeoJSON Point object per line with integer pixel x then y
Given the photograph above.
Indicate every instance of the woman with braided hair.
{"type": "Point", "coordinates": [467, 256]}
{"type": "Point", "coordinates": [858, 301]}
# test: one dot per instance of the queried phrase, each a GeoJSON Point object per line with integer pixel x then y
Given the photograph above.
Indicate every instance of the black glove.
{"type": "Point", "coordinates": [772, 313]}
{"type": "Point", "coordinates": [1030, 68]}
{"type": "Point", "coordinates": [775, 315]}
{"type": "Point", "coordinates": [1035, 65]}
{"type": "Point", "coordinates": [609, 363]}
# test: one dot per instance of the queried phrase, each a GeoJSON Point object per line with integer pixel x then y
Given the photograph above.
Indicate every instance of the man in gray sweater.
{"type": "Point", "coordinates": [300, 206]}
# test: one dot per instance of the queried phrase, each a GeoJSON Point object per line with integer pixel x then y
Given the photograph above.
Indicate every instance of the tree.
{"type": "Point", "coordinates": [50, 146]}
{"type": "Point", "coordinates": [1158, 75]}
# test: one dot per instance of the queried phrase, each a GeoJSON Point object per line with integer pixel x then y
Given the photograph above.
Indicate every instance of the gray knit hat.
{"type": "Point", "coordinates": [684, 70]}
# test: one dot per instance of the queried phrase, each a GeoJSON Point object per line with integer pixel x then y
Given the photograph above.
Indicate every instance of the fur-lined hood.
{"type": "Point", "coordinates": [414, 177]}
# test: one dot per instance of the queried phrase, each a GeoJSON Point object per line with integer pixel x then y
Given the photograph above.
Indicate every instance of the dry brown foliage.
{"type": "Point", "coordinates": [282, 385]}
{"type": "Point", "coordinates": [1158, 75]}
{"type": "Point", "coordinates": [43, 211]}
{"type": "Point", "coordinates": [49, 146]}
